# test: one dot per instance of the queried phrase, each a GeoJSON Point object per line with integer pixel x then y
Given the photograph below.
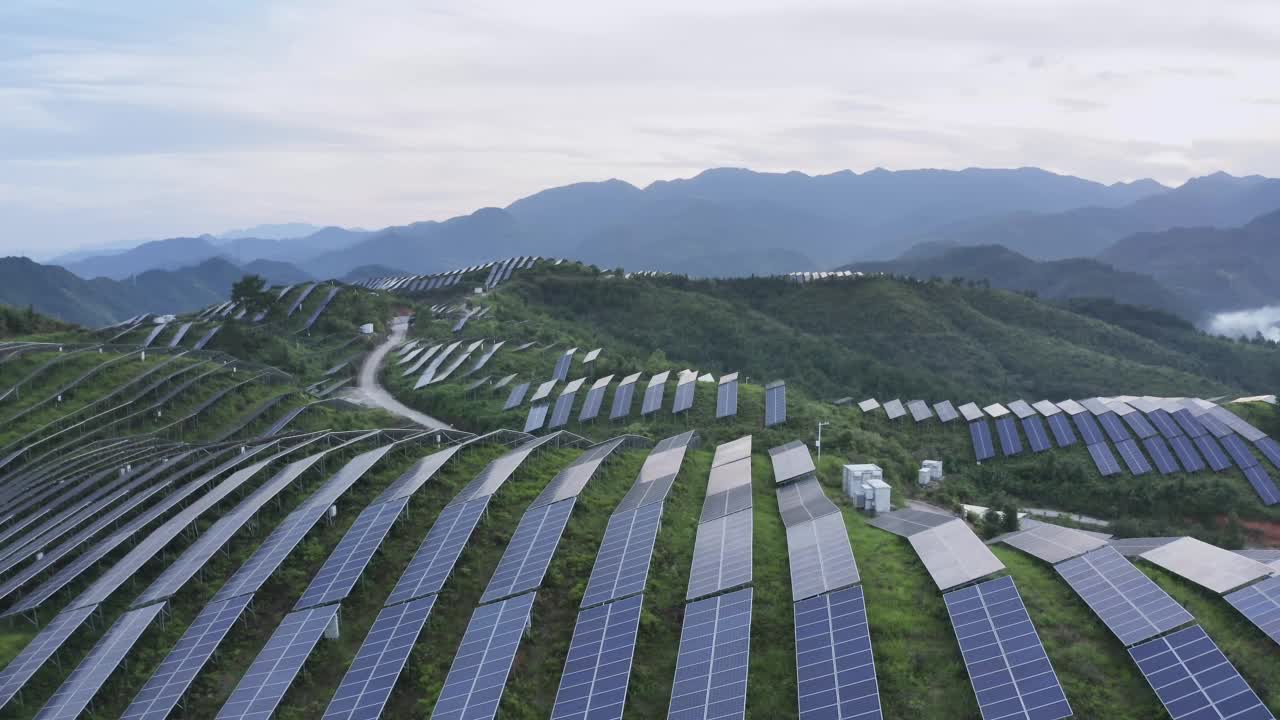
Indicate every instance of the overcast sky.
{"type": "Point", "coordinates": [133, 119]}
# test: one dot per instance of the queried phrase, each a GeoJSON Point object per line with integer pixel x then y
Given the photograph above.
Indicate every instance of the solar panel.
{"type": "Point", "coordinates": [732, 451]}
{"type": "Point", "coordinates": [597, 669]}
{"type": "Point", "coordinates": [422, 360]}
{"type": "Point", "coordinates": [338, 576]}
{"type": "Point", "coordinates": [1239, 451]}
{"type": "Point", "coordinates": [1088, 428]}
{"type": "Point", "coordinates": [711, 665]}
{"type": "Point", "coordinates": [980, 433]}
{"type": "Point", "coordinates": [996, 410]}
{"type": "Point", "coordinates": [1206, 565]}
{"type": "Point", "coordinates": [622, 564]}
{"type": "Point", "coordinates": [1193, 679]}
{"type": "Point", "coordinates": [75, 694]}
{"type": "Point", "coordinates": [570, 481]}
{"type": "Point", "coordinates": [1139, 424]}
{"type": "Point", "coordinates": [727, 396]}
{"type": "Point", "coordinates": [728, 490]}
{"type": "Point", "coordinates": [868, 405]}
{"type": "Point", "coordinates": [945, 411]}
{"type": "Point", "coordinates": [791, 461]}
{"type": "Point", "coordinates": [1263, 484]}
{"type": "Point", "coordinates": [1165, 423]}
{"type": "Point", "coordinates": [821, 557]}
{"type": "Point", "coordinates": [1160, 453]}
{"type": "Point", "coordinates": [595, 398]}
{"type": "Point", "coordinates": [1212, 452]}
{"type": "Point", "coordinates": [561, 371]}
{"type": "Point", "coordinates": [537, 417]}
{"type": "Point", "coordinates": [1007, 429]}
{"type": "Point", "coordinates": [1131, 547]}
{"type": "Point", "coordinates": [1128, 602]}
{"type": "Point", "coordinates": [971, 412]}
{"type": "Point", "coordinates": [273, 670]}
{"type": "Point", "coordinates": [497, 473]}
{"type": "Point", "coordinates": [953, 555]}
{"type": "Point", "coordinates": [653, 394]}
{"type": "Point", "coordinates": [429, 372]}
{"type": "Point", "coordinates": [42, 647]}
{"type": "Point", "coordinates": [560, 414]}
{"type": "Point", "coordinates": [802, 501]}
{"type": "Point", "coordinates": [835, 668]}
{"type": "Point", "coordinates": [721, 555]}
{"type": "Point", "coordinates": [1133, 457]}
{"type": "Point", "coordinates": [525, 561]}
{"type": "Point", "coordinates": [683, 400]}
{"type": "Point", "coordinates": [1103, 459]}
{"type": "Point", "coordinates": [157, 699]}
{"type": "Point", "coordinates": [1060, 426]}
{"type": "Point", "coordinates": [439, 552]}
{"type": "Point", "coordinates": [1007, 664]}
{"type": "Point", "coordinates": [1216, 427]}
{"type": "Point", "coordinates": [473, 688]}
{"type": "Point", "coordinates": [1189, 424]}
{"type": "Point", "coordinates": [1114, 427]}
{"type": "Point", "coordinates": [516, 397]}
{"type": "Point", "coordinates": [775, 403]}
{"type": "Point", "coordinates": [1185, 449]}
{"type": "Point", "coordinates": [623, 396]}
{"type": "Point", "coordinates": [894, 410]}
{"type": "Point", "coordinates": [1270, 449]}
{"type": "Point", "coordinates": [1036, 435]}
{"type": "Point", "coordinates": [1053, 543]}
{"type": "Point", "coordinates": [908, 522]}
{"type": "Point", "coordinates": [1260, 603]}
{"type": "Point", "coordinates": [447, 371]}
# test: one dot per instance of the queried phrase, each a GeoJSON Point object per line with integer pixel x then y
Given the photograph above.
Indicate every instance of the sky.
{"type": "Point", "coordinates": [142, 119]}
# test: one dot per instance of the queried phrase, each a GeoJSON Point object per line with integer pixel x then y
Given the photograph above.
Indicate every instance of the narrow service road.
{"type": "Point", "coordinates": [370, 392]}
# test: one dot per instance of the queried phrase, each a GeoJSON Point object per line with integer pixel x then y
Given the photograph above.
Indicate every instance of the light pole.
{"type": "Point", "coordinates": [820, 438]}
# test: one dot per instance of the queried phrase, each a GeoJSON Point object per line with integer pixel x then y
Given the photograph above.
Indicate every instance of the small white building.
{"type": "Point", "coordinates": [876, 495]}
{"type": "Point", "coordinates": [866, 486]}
{"type": "Point", "coordinates": [853, 475]}
{"type": "Point", "coordinates": [930, 472]}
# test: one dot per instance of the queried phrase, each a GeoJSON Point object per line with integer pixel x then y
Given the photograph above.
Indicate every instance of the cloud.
{"type": "Point", "coordinates": [1248, 323]}
{"type": "Point", "coordinates": [1079, 104]}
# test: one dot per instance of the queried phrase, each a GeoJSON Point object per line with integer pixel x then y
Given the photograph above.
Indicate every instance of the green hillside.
{"type": "Point", "coordinates": [876, 337]}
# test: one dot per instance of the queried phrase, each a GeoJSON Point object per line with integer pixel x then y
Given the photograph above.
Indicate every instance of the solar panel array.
{"type": "Point", "coordinates": [1007, 429]}
{"type": "Point", "coordinates": [980, 434]}
{"type": "Point", "coordinates": [791, 461]}
{"type": "Point", "coordinates": [595, 398]}
{"type": "Point", "coordinates": [1036, 435]}
{"type": "Point", "coordinates": [597, 669]}
{"type": "Point", "coordinates": [263, 686]}
{"type": "Point", "coordinates": [1103, 459]}
{"type": "Point", "coordinates": [1206, 565]}
{"type": "Point", "coordinates": [436, 556]}
{"type": "Point", "coordinates": [537, 417]}
{"type": "Point", "coordinates": [561, 371]}
{"type": "Point", "coordinates": [560, 413]}
{"type": "Point", "coordinates": [775, 403]}
{"type": "Point", "coordinates": [683, 400]}
{"type": "Point", "coordinates": [712, 661]}
{"type": "Point", "coordinates": [1052, 543]}
{"type": "Point", "coordinates": [1161, 454]}
{"type": "Point", "coordinates": [524, 563]}
{"type": "Point", "coordinates": [1193, 679]}
{"type": "Point", "coordinates": [473, 688]}
{"type": "Point", "coordinates": [337, 577]}
{"type": "Point", "coordinates": [41, 647]}
{"type": "Point", "coordinates": [1133, 457]}
{"type": "Point", "coordinates": [727, 396]}
{"type": "Point", "coordinates": [622, 563]}
{"type": "Point", "coordinates": [1260, 603]}
{"type": "Point", "coordinates": [953, 555]}
{"type": "Point", "coordinates": [835, 668]}
{"type": "Point", "coordinates": [1128, 602]}
{"type": "Point", "coordinates": [653, 393]}
{"type": "Point", "coordinates": [722, 555]}
{"type": "Point", "coordinates": [367, 684]}
{"type": "Point", "coordinates": [1007, 664]}
{"type": "Point", "coordinates": [623, 396]}
{"type": "Point", "coordinates": [821, 557]}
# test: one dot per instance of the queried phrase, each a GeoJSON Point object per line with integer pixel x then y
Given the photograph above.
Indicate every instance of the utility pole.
{"type": "Point", "coordinates": [819, 443]}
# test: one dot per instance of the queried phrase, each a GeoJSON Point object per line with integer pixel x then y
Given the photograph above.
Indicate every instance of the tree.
{"type": "Point", "coordinates": [250, 291]}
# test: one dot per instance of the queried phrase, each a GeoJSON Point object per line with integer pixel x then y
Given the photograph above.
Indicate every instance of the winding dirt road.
{"type": "Point", "coordinates": [370, 392]}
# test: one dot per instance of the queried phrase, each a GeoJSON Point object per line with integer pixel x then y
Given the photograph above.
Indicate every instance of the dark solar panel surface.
{"type": "Point", "coordinates": [525, 561]}
{"type": "Point", "coordinates": [1104, 459]}
{"type": "Point", "coordinates": [1270, 449]}
{"type": "Point", "coordinates": [1185, 448]}
{"type": "Point", "coordinates": [711, 664]}
{"type": "Point", "coordinates": [622, 401]}
{"type": "Point", "coordinates": [338, 576]}
{"type": "Point", "coordinates": [560, 414]}
{"type": "Point", "coordinates": [1194, 680]}
{"type": "Point", "coordinates": [1165, 423]}
{"type": "Point", "coordinates": [537, 417]}
{"type": "Point", "coordinates": [622, 563]}
{"type": "Point", "coordinates": [721, 555]}
{"type": "Point", "coordinates": [835, 669]}
{"type": "Point", "coordinates": [1260, 603]}
{"type": "Point", "coordinates": [597, 669]}
{"type": "Point", "coordinates": [1037, 438]}
{"type": "Point", "coordinates": [775, 404]}
{"type": "Point", "coordinates": [684, 396]}
{"type": "Point", "coordinates": [1060, 426]}
{"type": "Point", "coordinates": [820, 556]}
{"type": "Point", "coordinates": [265, 683]}
{"type": "Point", "coordinates": [1139, 424]}
{"type": "Point", "coordinates": [1133, 457]}
{"type": "Point", "coordinates": [1239, 451]}
{"type": "Point", "coordinates": [1263, 484]}
{"type": "Point", "coordinates": [1007, 664]}
{"type": "Point", "coordinates": [473, 688]}
{"type": "Point", "coordinates": [1160, 454]}
{"type": "Point", "coordinates": [727, 399]}
{"type": "Point", "coordinates": [42, 647]}
{"type": "Point", "coordinates": [591, 405]}
{"type": "Point", "coordinates": [1088, 427]}
{"type": "Point", "coordinates": [439, 552]}
{"type": "Point", "coordinates": [1128, 602]}
{"type": "Point", "coordinates": [980, 433]}
{"type": "Point", "coordinates": [653, 399]}
{"type": "Point", "coordinates": [1114, 427]}
{"type": "Point", "coordinates": [1212, 452]}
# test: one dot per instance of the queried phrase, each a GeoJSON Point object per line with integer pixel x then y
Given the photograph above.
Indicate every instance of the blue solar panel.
{"type": "Point", "coordinates": [560, 414]}
{"type": "Point", "coordinates": [338, 576]}
{"type": "Point", "coordinates": [561, 372]}
{"type": "Point", "coordinates": [622, 564]}
{"type": "Point", "coordinates": [1114, 428]}
{"type": "Point", "coordinates": [980, 432]}
{"type": "Point", "coordinates": [368, 684]}
{"type": "Point", "coordinates": [711, 666]}
{"type": "Point", "coordinates": [1194, 680]}
{"type": "Point", "coordinates": [684, 396]}
{"type": "Point", "coordinates": [598, 667]}
{"type": "Point", "coordinates": [1088, 428]}
{"type": "Point", "coordinates": [1036, 435]}
{"type": "Point", "coordinates": [1138, 423]}
{"type": "Point", "coordinates": [473, 688]}
{"type": "Point", "coordinates": [1215, 426]}
{"type": "Point", "coordinates": [537, 416]}
{"type": "Point", "coordinates": [40, 649]}
{"type": "Point", "coordinates": [722, 555]}
{"type": "Point", "coordinates": [1263, 484]}
{"type": "Point", "coordinates": [525, 561]}
{"type": "Point", "coordinates": [1185, 448]}
{"type": "Point", "coordinates": [727, 398]}
{"type": "Point", "coordinates": [516, 397]}
{"type": "Point", "coordinates": [1007, 429]}
{"type": "Point", "coordinates": [1007, 664]}
{"type": "Point", "coordinates": [622, 401]}
{"type": "Point", "coordinates": [653, 399]}
{"type": "Point", "coordinates": [1103, 459]}
{"type": "Point", "coordinates": [1133, 457]}
{"type": "Point", "coordinates": [1260, 603]}
{"type": "Point", "coordinates": [1128, 602]}
{"type": "Point", "coordinates": [1239, 451]}
{"type": "Point", "coordinates": [1060, 425]}
{"type": "Point", "coordinates": [1213, 453]}
{"type": "Point", "coordinates": [775, 403]}
{"type": "Point", "coordinates": [439, 552]}
{"type": "Point", "coordinates": [264, 685]}
{"type": "Point", "coordinates": [1270, 449]}
{"type": "Point", "coordinates": [1159, 451]}
{"type": "Point", "coordinates": [591, 405]}
{"type": "Point", "coordinates": [1188, 422]}
{"type": "Point", "coordinates": [835, 669]}
{"type": "Point", "coordinates": [1165, 423]}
